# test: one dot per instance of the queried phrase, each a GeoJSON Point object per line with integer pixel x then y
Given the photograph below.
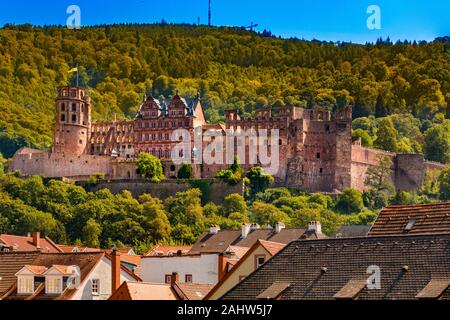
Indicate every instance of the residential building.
{"type": "Point", "coordinates": [174, 290]}
{"type": "Point", "coordinates": [61, 276]}
{"type": "Point", "coordinates": [402, 267]}
{"type": "Point", "coordinates": [413, 219]}
{"type": "Point", "coordinates": [255, 257]}
{"type": "Point", "coordinates": [214, 254]}
{"type": "Point", "coordinates": [31, 242]}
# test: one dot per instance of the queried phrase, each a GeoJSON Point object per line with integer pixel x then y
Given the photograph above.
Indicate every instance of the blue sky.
{"type": "Point", "coordinates": [343, 20]}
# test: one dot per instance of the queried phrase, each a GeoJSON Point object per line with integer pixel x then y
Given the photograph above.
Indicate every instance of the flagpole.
{"type": "Point", "coordinates": [77, 74]}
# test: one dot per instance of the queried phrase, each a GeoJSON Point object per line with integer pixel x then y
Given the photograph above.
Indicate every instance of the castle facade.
{"type": "Point", "coordinates": [316, 153]}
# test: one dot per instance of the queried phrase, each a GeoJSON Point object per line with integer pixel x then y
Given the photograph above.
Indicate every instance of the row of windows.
{"type": "Point", "coordinates": [73, 108]}
{"type": "Point", "coordinates": [119, 128]}
{"type": "Point", "coordinates": [162, 153]}
{"type": "Point", "coordinates": [53, 285]}
{"type": "Point", "coordinates": [153, 137]}
{"type": "Point", "coordinates": [159, 124]}
{"type": "Point", "coordinates": [187, 278]}
{"type": "Point", "coordinates": [73, 93]}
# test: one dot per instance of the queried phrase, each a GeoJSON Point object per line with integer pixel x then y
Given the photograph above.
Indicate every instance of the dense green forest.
{"type": "Point", "coordinates": [69, 214]}
{"type": "Point", "coordinates": [400, 92]}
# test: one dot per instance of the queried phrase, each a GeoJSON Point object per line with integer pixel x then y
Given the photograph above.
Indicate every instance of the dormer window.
{"type": "Point", "coordinates": [53, 285]}
{"type": "Point", "coordinates": [28, 277]}
{"type": "Point", "coordinates": [25, 285]}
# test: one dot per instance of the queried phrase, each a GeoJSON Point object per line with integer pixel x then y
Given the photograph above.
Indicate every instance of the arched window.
{"type": "Point", "coordinates": [74, 107]}
{"type": "Point", "coordinates": [63, 107]}
{"type": "Point", "coordinates": [74, 118]}
{"type": "Point", "coordinates": [63, 118]}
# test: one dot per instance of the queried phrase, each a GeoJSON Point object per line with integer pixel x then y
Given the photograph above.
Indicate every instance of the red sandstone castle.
{"type": "Point", "coordinates": [316, 152]}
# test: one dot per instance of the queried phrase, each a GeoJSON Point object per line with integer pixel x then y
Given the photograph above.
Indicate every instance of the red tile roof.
{"type": "Point", "coordinates": [272, 247]}
{"type": "Point", "coordinates": [425, 219]}
{"type": "Point", "coordinates": [73, 249]}
{"type": "Point", "coordinates": [85, 261]}
{"type": "Point", "coordinates": [36, 269]}
{"type": "Point", "coordinates": [25, 243]}
{"type": "Point", "coordinates": [144, 291]}
{"type": "Point", "coordinates": [10, 264]}
{"type": "Point", "coordinates": [167, 250]}
{"type": "Point", "coordinates": [223, 239]}
{"type": "Point", "coordinates": [192, 291]}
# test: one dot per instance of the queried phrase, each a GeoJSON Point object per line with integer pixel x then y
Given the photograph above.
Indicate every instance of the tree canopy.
{"type": "Point", "coordinates": [230, 67]}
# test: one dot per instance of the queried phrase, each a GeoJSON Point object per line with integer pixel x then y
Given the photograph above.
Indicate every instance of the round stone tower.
{"type": "Point", "coordinates": [73, 121]}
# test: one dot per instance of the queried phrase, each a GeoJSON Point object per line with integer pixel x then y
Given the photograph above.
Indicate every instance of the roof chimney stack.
{"type": "Point", "coordinates": [214, 229]}
{"type": "Point", "coordinates": [175, 278]}
{"type": "Point", "coordinates": [115, 270]}
{"type": "Point", "coordinates": [315, 226]}
{"type": "Point", "coordinates": [279, 226]}
{"type": "Point", "coordinates": [245, 230]}
{"type": "Point", "coordinates": [37, 239]}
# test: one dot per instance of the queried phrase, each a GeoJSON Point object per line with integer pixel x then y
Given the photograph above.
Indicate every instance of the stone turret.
{"type": "Point", "coordinates": [73, 121]}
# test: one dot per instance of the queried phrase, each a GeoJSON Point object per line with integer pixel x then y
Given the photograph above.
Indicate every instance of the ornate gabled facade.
{"type": "Point", "coordinates": [315, 146]}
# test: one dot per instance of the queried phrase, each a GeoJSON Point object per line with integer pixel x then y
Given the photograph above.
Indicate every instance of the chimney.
{"type": "Point", "coordinates": [115, 270]}
{"type": "Point", "coordinates": [175, 278]}
{"type": "Point", "coordinates": [214, 229]}
{"type": "Point", "coordinates": [315, 226]}
{"type": "Point", "coordinates": [254, 227]}
{"type": "Point", "coordinates": [222, 266]}
{"type": "Point", "coordinates": [245, 230]}
{"type": "Point", "coordinates": [279, 226]}
{"type": "Point", "coordinates": [37, 239]}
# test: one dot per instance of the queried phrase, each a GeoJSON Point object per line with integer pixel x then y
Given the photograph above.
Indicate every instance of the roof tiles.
{"type": "Point", "coordinates": [320, 269]}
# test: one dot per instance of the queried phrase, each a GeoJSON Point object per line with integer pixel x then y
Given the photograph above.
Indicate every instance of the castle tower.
{"type": "Point", "coordinates": [73, 121]}
{"type": "Point", "coordinates": [343, 174]}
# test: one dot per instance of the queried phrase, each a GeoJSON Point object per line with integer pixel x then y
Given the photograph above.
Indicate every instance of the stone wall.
{"type": "Point", "coordinates": [362, 159]}
{"type": "Point", "coordinates": [56, 165]}
{"type": "Point", "coordinates": [217, 189]}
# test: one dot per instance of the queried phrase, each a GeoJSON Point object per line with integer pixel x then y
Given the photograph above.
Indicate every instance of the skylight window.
{"type": "Point", "coordinates": [409, 225]}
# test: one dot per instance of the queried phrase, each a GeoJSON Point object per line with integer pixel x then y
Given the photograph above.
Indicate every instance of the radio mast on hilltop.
{"type": "Point", "coordinates": [209, 13]}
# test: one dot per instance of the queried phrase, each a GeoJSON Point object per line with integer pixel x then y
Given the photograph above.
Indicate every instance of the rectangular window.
{"type": "Point", "coordinates": [54, 286]}
{"type": "Point", "coordinates": [318, 155]}
{"type": "Point", "coordinates": [188, 278]}
{"type": "Point", "coordinates": [259, 261]}
{"type": "Point", "coordinates": [95, 287]}
{"type": "Point", "coordinates": [25, 285]}
{"type": "Point", "coordinates": [168, 278]}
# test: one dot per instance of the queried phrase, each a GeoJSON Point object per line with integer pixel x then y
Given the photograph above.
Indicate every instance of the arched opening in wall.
{"type": "Point", "coordinates": [63, 107]}
{"type": "Point", "coordinates": [318, 155]}
{"type": "Point", "coordinates": [129, 174]}
{"type": "Point", "coordinates": [63, 118]}
{"type": "Point", "coordinates": [74, 107]}
{"type": "Point", "coordinates": [74, 118]}
{"type": "Point", "coordinates": [321, 170]}
{"type": "Point", "coordinates": [327, 128]}
{"type": "Point", "coordinates": [280, 142]}
{"type": "Point", "coordinates": [172, 168]}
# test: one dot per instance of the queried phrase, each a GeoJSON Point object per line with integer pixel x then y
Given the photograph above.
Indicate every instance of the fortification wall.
{"type": "Point", "coordinates": [362, 159]}
{"type": "Point", "coordinates": [59, 165]}
{"type": "Point", "coordinates": [216, 190]}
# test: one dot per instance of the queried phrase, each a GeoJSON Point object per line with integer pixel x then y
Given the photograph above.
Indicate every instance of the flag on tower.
{"type": "Point", "coordinates": [73, 70]}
